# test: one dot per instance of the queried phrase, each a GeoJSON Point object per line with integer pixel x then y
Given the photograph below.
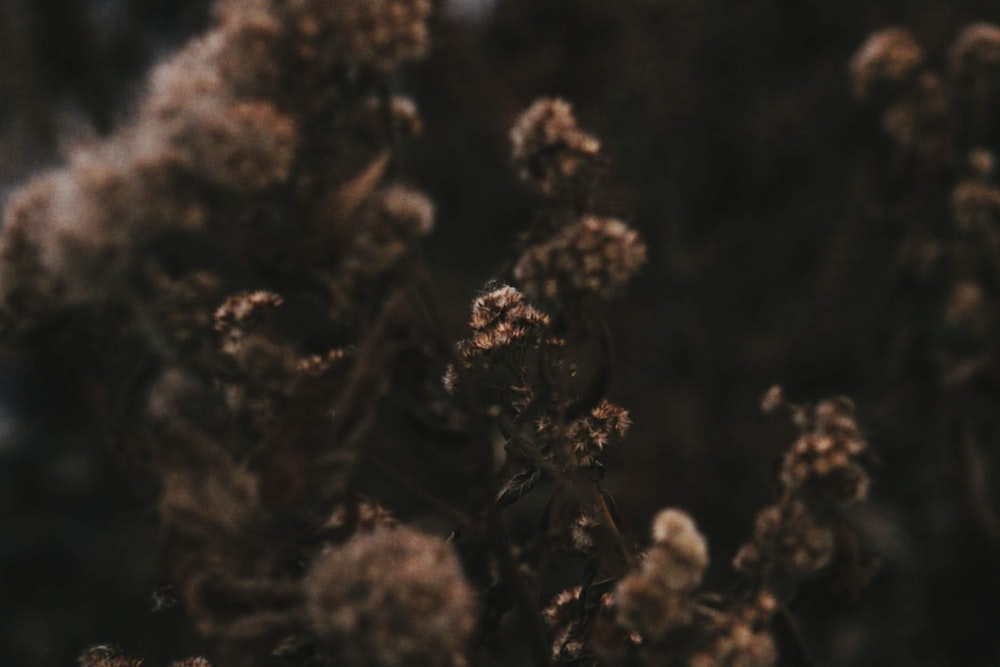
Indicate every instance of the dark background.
{"type": "Point", "coordinates": [761, 189]}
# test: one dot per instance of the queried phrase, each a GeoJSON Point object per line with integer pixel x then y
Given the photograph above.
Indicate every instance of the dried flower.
{"type": "Point", "coordinates": [825, 453]}
{"type": "Point", "coordinates": [589, 435]}
{"type": "Point", "coordinates": [797, 537]}
{"type": "Point", "coordinates": [243, 146]}
{"type": "Point", "coordinates": [27, 289]}
{"type": "Point", "coordinates": [644, 605]}
{"type": "Point", "coordinates": [377, 33]}
{"type": "Point", "coordinates": [595, 255]}
{"type": "Point", "coordinates": [249, 56]}
{"type": "Point", "coordinates": [976, 49]}
{"type": "Point", "coordinates": [562, 607]}
{"type": "Point", "coordinates": [190, 75]}
{"type": "Point", "coordinates": [679, 555]}
{"type": "Point", "coordinates": [741, 638]}
{"type": "Point", "coordinates": [658, 597]}
{"type": "Point", "coordinates": [581, 532]}
{"type": "Point", "coordinates": [887, 58]}
{"type": "Point", "coordinates": [789, 536]}
{"type": "Point", "coordinates": [976, 206]}
{"type": "Point", "coordinates": [503, 323]}
{"type": "Point", "coordinates": [389, 598]}
{"type": "Point", "coordinates": [968, 309]}
{"type": "Point", "coordinates": [408, 208]}
{"type": "Point", "coordinates": [982, 162]}
{"type": "Point", "coordinates": [550, 151]}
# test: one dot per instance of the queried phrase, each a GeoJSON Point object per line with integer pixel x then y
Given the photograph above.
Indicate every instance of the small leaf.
{"type": "Point", "coordinates": [518, 486]}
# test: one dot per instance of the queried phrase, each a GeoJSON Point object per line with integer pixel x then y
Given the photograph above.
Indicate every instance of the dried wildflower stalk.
{"type": "Point", "coordinates": [244, 235]}
{"type": "Point", "coordinates": [555, 420]}
{"type": "Point", "coordinates": [800, 535]}
{"type": "Point", "coordinates": [520, 370]}
{"type": "Point", "coordinates": [949, 243]}
{"type": "Point", "coordinates": [235, 231]}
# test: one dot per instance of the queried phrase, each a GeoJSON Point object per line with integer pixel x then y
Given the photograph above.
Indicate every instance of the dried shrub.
{"type": "Point", "coordinates": [249, 233]}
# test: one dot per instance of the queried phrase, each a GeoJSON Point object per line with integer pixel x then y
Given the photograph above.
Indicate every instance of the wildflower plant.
{"type": "Point", "coordinates": [249, 236]}
{"type": "Point", "coordinates": [941, 120]}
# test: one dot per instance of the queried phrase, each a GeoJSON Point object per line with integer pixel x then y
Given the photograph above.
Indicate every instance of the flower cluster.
{"type": "Point", "coordinates": [741, 639]}
{"type": "Point", "coordinates": [503, 324]}
{"type": "Point", "coordinates": [593, 256]}
{"type": "Point", "coordinates": [246, 236]}
{"type": "Point", "coordinates": [660, 601]}
{"type": "Point", "coordinates": [234, 231]}
{"type": "Point", "coordinates": [934, 118]}
{"type": "Point", "coordinates": [826, 452]}
{"type": "Point", "coordinates": [659, 596]}
{"type": "Point", "coordinates": [391, 597]}
{"type": "Point", "coordinates": [228, 120]}
{"type": "Point", "coordinates": [976, 52]}
{"type": "Point", "coordinates": [887, 59]}
{"type": "Point", "coordinates": [798, 536]}
{"type": "Point", "coordinates": [889, 72]}
{"type": "Point", "coordinates": [587, 436]}
{"type": "Point", "coordinates": [551, 153]}
{"type": "Point", "coordinates": [570, 256]}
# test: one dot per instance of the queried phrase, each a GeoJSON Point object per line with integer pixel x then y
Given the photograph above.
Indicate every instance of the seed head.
{"type": "Point", "coordinates": [595, 255]}
{"type": "Point", "coordinates": [887, 58]}
{"type": "Point", "coordinates": [392, 597]}
{"type": "Point", "coordinates": [551, 153]}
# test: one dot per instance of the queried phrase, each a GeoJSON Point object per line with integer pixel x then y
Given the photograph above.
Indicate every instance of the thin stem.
{"type": "Point", "coordinates": [410, 485]}
{"type": "Point", "coordinates": [503, 549]}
